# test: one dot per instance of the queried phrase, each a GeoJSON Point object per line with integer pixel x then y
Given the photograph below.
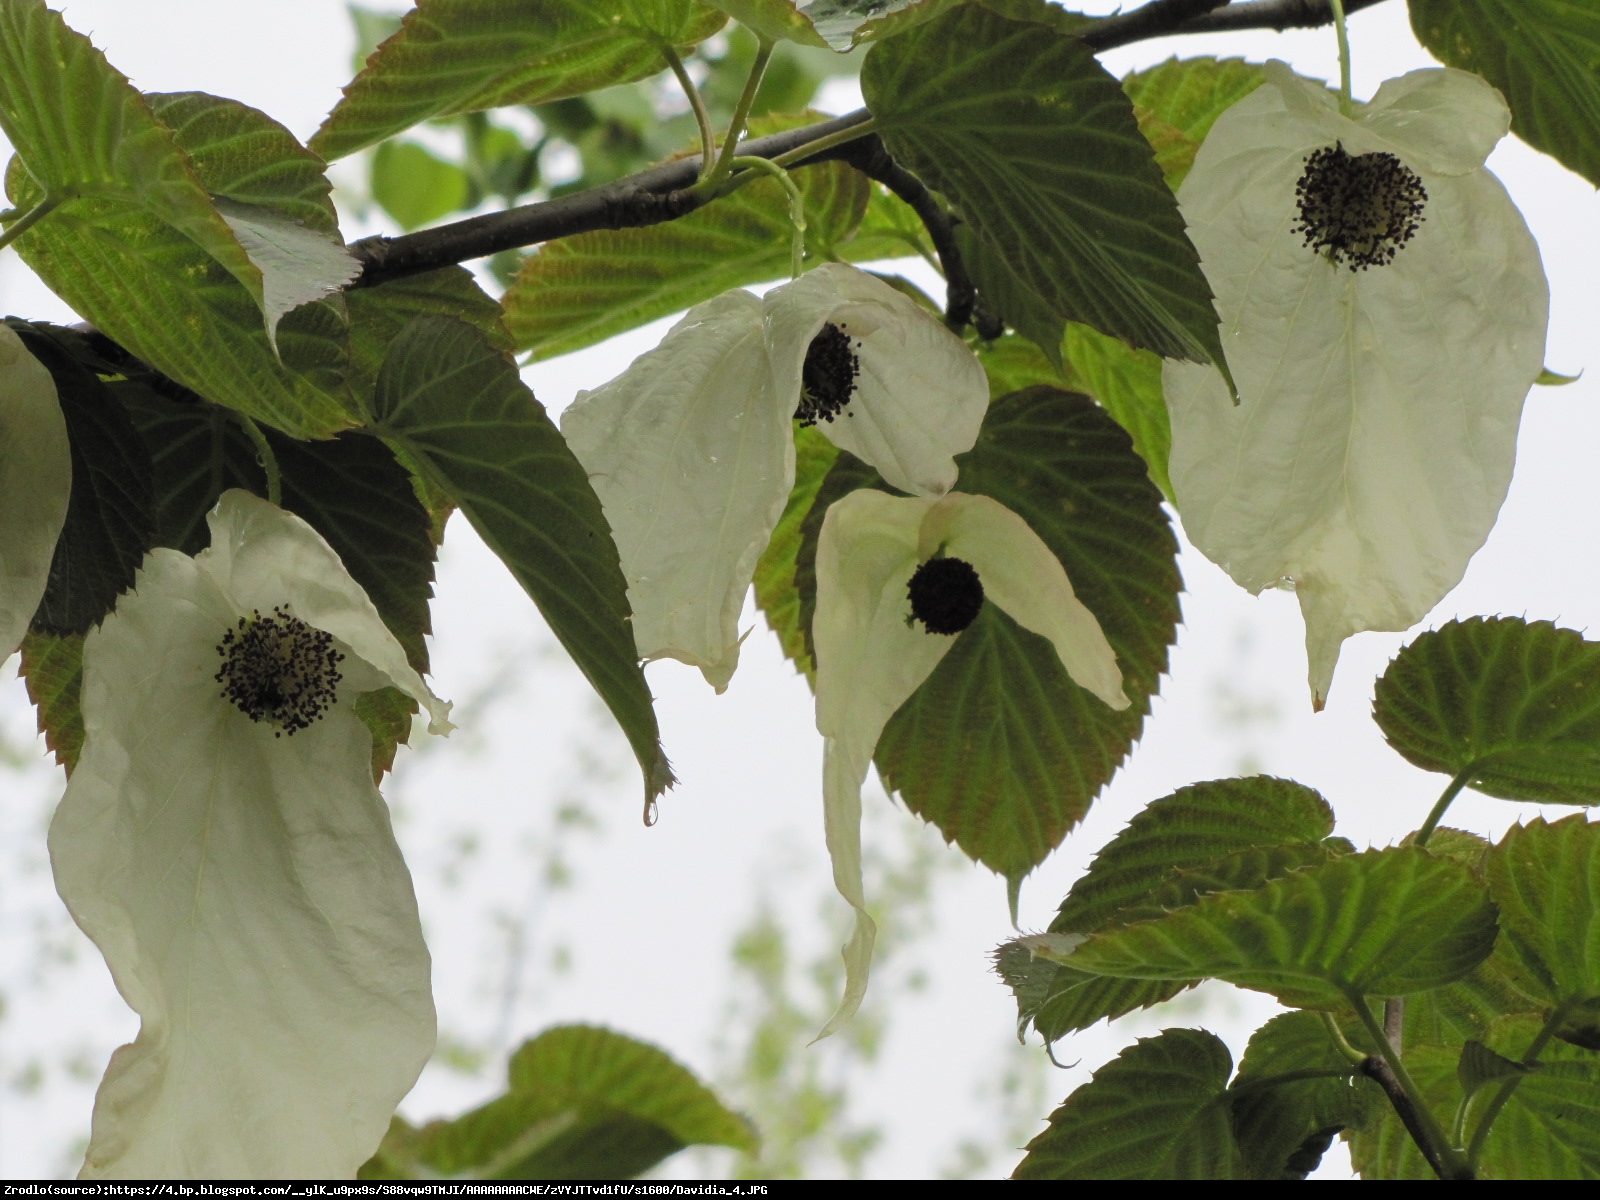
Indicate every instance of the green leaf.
{"type": "Point", "coordinates": [890, 228]}
{"type": "Point", "coordinates": [1013, 363]}
{"type": "Point", "coordinates": [1546, 880]}
{"type": "Point", "coordinates": [999, 748]}
{"type": "Point", "coordinates": [580, 290]}
{"type": "Point", "coordinates": [133, 254]}
{"type": "Point", "coordinates": [1127, 384]}
{"type": "Point", "coordinates": [1038, 147]}
{"type": "Point", "coordinates": [1449, 1015]}
{"type": "Point", "coordinates": [377, 315]}
{"type": "Point", "coordinates": [1231, 833]}
{"type": "Point", "coordinates": [776, 592]}
{"type": "Point", "coordinates": [52, 667]}
{"type": "Point", "coordinates": [1549, 1129]}
{"type": "Point", "coordinates": [1381, 923]}
{"type": "Point", "coordinates": [1512, 705]}
{"type": "Point", "coordinates": [1004, 294]}
{"type": "Point", "coordinates": [1480, 1066]}
{"type": "Point", "coordinates": [1549, 378]}
{"type": "Point", "coordinates": [1543, 55]}
{"type": "Point", "coordinates": [838, 24]}
{"type": "Point", "coordinates": [1279, 1113]}
{"type": "Point", "coordinates": [1159, 1110]}
{"type": "Point", "coordinates": [582, 1103]}
{"type": "Point", "coordinates": [455, 408]}
{"type": "Point", "coordinates": [387, 714]}
{"type": "Point", "coordinates": [414, 186]}
{"type": "Point", "coordinates": [459, 56]}
{"type": "Point", "coordinates": [110, 515]}
{"type": "Point", "coordinates": [1179, 100]}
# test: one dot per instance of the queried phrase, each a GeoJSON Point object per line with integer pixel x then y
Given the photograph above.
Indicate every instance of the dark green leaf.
{"type": "Point", "coordinates": [138, 250]}
{"type": "Point", "coordinates": [1005, 295]}
{"type": "Point", "coordinates": [110, 515]}
{"type": "Point", "coordinates": [455, 408]}
{"type": "Point", "coordinates": [1179, 100]}
{"type": "Point", "coordinates": [52, 667]}
{"type": "Point", "coordinates": [387, 714]}
{"type": "Point", "coordinates": [1038, 148]}
{"type": "Point", "coordinates": [999, 747]}
{"type": "Point", "coordinates": [1279, 1106]}
{"type": "Point", "coordinates": [1383, 923]}
{"type": "Point", "coordinates": [776, 590]}
{"type": "Point", "coordinates": [581, 290]}
{"type": "Point", "coordinates": [1546, 880]}
{"type": "Point", "coordinates": [583, 1103]}
{"type": "Point", "coordinates": [415, 186]}
{"type": "Point", "coordinates": [1543, 55]}
{"type": "Point", "coordinates": [458, 56]}
{"type": "Point", "coordinates": [377, 315]}
{"type": "Point", "coordinates": [1157, 1111]}
{"type": "Point", "coordinates": [1511, 704]}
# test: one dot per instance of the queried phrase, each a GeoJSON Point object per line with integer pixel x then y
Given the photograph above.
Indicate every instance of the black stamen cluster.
{"type": "Point", "coordinates": [1358, 210]}
{"type": "Point", "coordinates": [279, 669]}
{"type": "Point", "coordinates": [828, 378]}
{"type": "Point", "coordinates": [946, 595]}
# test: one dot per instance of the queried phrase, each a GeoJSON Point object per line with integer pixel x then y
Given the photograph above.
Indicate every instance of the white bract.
{"type": "Point", "coordinates": [240, 875]}
{"type": "Point", "coordinates": [35, 484]}
{"type": "Point", "coordinates": [1376, 428]}
{"type": "Point", "coordinates": [872, 655]}
{"type": "Point", "coordinates": [691, 449]}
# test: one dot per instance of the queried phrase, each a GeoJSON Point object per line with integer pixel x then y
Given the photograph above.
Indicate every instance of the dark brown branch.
{"type": "Point", "coordinates": [1214, 18]}
{"type": "Point", "coordinates": [1379, 1071]}
{"type": "Point", "coordinates": [869, 156]}
{"type": "Point", "coordinates": [662, 193]}
{"type": "Point", "coordinates": [648, 198]}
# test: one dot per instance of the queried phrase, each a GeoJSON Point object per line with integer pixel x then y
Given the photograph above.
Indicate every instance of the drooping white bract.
{"type": "Point", "coordinates": [691, 449]}
{"type": "Point", "coordinates": [239, 875]}
{"type": "Point", "coordinates": [1375, 433]}
{"type": "Point", "coordinates": [871, 655]}
{"type": "Point", "coordinates": [35, 484]}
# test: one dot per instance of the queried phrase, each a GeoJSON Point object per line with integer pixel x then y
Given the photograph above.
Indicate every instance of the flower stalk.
{"type": "Point", "coordinates": [1347, 103]}
{"type": "Point", "coordinates": [797, 206]}
{"type": "Point", "coordinates": [726, 160]}
{"type": "Point", "coordinates": [702, 118]}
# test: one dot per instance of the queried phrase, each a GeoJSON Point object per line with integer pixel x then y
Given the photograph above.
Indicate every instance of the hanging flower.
{"type": "Point", "coordinates": [898, 579]}
{"type": "Point", "coordinates": [35, 484]}
{"type": "Point", "coordinates": [691, 449]}
{"type": "Point", "coordinates": [222, 842]}
{"type": "Point", "coordinates": [1383, 309]}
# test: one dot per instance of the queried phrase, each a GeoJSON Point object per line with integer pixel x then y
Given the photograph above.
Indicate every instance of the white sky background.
{"type": "Point", "coordinates": [640, 939]}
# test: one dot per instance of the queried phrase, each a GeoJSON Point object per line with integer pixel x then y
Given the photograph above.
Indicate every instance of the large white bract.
{"type": "Point", "coordinates": [35, 484]}
{"type": "Point", "coordinates": [691, 449]}
{"type": "Point", "coordinates": [871, 656]}
{"type": "Point", "coordinates": [245, 887]}
{"type": "Point", "coordinates": [1375, 432]}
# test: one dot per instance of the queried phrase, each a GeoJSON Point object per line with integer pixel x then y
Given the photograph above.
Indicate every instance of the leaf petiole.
{"type": "Point", "coordinates": [1436, 814]}
{"type": "Point", "coordinates": [1480, 1136]}
{"type": "Point", "coordinates": [797, 205]}
{"type": "Point", "coordinates": [1389, 1072]}
{"type": "Point", "coordinates": [21, 224]}
{"type": "Point", "coordinates": [727, 160]}
{"type": "Point", "coordinates": [827, 142]}
{"type": "Point", "coordinates": [265, 456]}
{"type": "Point", "coordinates": [708, 143]}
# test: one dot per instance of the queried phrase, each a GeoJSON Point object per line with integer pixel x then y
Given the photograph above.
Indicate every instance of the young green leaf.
{"type": "Point", "coordinates": [459, 56]}
{"type": "Point", "coordinates": [151, 278]}
{"type": "Point", "coordinates": [1178, 101]}
{"type": "Point", "coordinates": [1480, 1066]}
{"type": "Point", "coordinates": [1127, 384]}
{"type": "Point", "coordinates": [52, 667]}
{"type": "Point", "coordinates": [1294, 1086]}
{"type": "Point", "coordinates": [454, 407]}
{"type": "Point", "coordinates": [110, 516]}
{"type": "Point", "coordinates": [1546, 879]}
{"type": "Point", "coordinates": [582, 1103]}
{"type": "Point", "coordinates": [1543, 55]}
{"type": "Point", "coordinates": [999, 748]}
{"type": "Point", "coordinates": [415, 186]}
{"type": "Point", "coordinates": [581, 290]}
{"type": "Point", "coordinates": [1383, 923]}
{"type": "Point", "coordinates": [1159, 1110]}
{"type": "Point", "coordinates": [1512, 705]}
{"type": "Point", "coordinates": [777, 593]}
{"type": "Point", "coordinates": [1038, 148]}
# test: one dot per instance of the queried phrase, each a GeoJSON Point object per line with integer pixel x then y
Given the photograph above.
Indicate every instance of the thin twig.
{"type": "Point", "coordinates": [1379, 1071]}
{"type": "Point", "coordinates": [1142, 23]}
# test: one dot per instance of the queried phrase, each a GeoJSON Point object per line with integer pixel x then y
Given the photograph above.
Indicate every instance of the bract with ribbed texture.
{"type": "Point", "coordinates": [1375, 433]}
{"type": "Point", "coordinates": [245, 888]}
{"type": "Point", "coordinates": [871, 655]}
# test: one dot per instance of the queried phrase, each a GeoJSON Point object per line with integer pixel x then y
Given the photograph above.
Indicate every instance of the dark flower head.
{"type": "Point", "coordinates": [1359, 210]}
{"type": "Point", "coordinates": [279, 669]}
{"type": "Point", "coordinates": [946, 595]}
{"type": "Point", "coordinates": [828, 378]}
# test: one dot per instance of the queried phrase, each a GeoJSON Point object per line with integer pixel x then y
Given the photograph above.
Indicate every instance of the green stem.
{"type": "Point", "coordinates": [797, 206]}
{"type": "Point", "coordinates": [1346, 101]}
{"type": "Point", "coordinates": [29, 219]}
{"type": "Point", "coordinates": [1423, 1126]}
{"type": "Point", "coordinates": [1442, 804]}
{"type": "Point", "coordinates": [1480, 1135]}
{"type": "Point", "coordinates": [1339, 1040]}
{"type": "Point", "coordinates": [265, 456]}
{"type": "Point", "coordinates": [1272, 1081]}
{"type": "Point", "coordinates": [828, 142]}
{"type": "Point", "coordinates": [726, 161]}
{"type": "Point", "coordinates": [708, 146]}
